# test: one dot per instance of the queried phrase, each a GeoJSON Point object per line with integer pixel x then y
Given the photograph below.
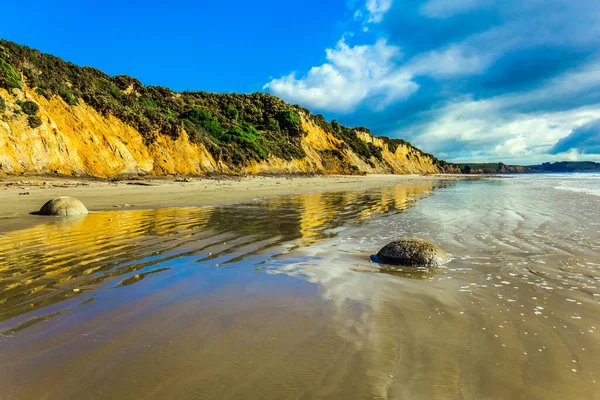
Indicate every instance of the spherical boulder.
{"type": "Point", "coordinates": [412, 252]}
{"type": "Point", "coordinates": [63, 206]}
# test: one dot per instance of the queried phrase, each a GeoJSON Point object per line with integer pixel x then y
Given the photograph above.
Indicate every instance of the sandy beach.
{"type": "Point", "coordinates": [277, 297]}
{"type": "Point", "coordinates": [20, 196]}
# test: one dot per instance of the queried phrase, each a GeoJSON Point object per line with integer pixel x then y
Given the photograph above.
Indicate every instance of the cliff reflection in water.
{"type": "Point", "coordinates": [63, 263]}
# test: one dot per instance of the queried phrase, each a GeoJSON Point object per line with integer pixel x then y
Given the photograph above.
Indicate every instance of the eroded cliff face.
{"type": "Point", "coordinates": [79, 141]}
{"type": "Point", "coordinates": [513, 169]}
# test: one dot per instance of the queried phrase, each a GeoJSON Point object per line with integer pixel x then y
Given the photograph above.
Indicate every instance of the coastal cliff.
{"type": "Point", "coordinates": [493, 168]}
{"type": "Point", "coordinates": [58, 118]}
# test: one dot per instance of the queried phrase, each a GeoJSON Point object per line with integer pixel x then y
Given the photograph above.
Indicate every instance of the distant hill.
{"type": "Point", "coordinates": [60, 118]}
{"type": "Point", "coordinates": [492, 168]}
{"type": "Point", "coordinates": [500, 168]}
{"type": "Point", "coordinates": [566, 166]}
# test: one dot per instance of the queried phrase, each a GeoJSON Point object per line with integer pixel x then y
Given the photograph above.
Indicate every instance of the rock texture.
{"type": "Point", "coordinates": [63, 206]}
{"type": "Point", "coordinates": [412, 252]}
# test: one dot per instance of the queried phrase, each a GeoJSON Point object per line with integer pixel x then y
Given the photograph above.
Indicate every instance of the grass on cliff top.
{"type": "Point", "coordinates": [235, 128]}
{"type": "Point", "coordinates": [9, 76]}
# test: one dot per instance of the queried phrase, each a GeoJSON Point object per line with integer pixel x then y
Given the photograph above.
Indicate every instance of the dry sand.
{"type": "Point", "coordinates": [20, 196]}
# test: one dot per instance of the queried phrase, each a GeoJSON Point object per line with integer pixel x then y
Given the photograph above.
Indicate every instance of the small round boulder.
{"type": "Point", "coordinates": [63, 206]}
{"type": "Point", "coordinates": [412, 252]}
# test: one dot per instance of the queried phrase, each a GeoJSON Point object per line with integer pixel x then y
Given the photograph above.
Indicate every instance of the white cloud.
{"type": "Point", "coordinates": [372, 12]}
{"type": "Point", "coordinates": [571, 155]}
{"type": "Point", "coordinates": [483, 125]}
{"type": "Point", "coordinates": [448, 8]}
{"type": "Point", "coordinates": [455, 60]}
{"type": "Point", "coordinates": [501, 128]}
{"type": "Point", "coordinates": [351, 75]}
{"type": "Point", "coordinates": [371, 74]}
{"type": "Point", "coordinates": [360, 73]}
{"type": "Point", "coordinates": [512, 146]}
{"type": "Point", "coordinates": [377, 9]}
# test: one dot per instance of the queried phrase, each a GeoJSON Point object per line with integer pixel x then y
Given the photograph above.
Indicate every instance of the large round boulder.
{"type": "Point", "coordinates": [411, 252]}
{"type": "Point", "coordinates": [63, 206]}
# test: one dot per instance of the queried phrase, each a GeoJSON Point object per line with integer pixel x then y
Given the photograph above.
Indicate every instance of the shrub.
{"type": "Point", "coordinates": [148, 102]}
{"type": "Point", "coordinates": [43, 92]}
{"type": "Point", "coordinates": [335, 126]}
{"type": "Point", "coordinates": [212, 126]}
{"type": "Point", "coordinates": [29, 107]}
{"type": "Point", "coordinates": [246, 140]}
{"type": "Point", "coordinates": [196, 115]}
{"type": "Point", "coordinates": [195, 133]}
{"type": "Point", "coordinates": [231, 112]}
{"type": "Point", "coordinates": [320, 121]}
{"type": "Point", "coordinates": [203, 119]}
{"type": "Point", "coordinates": [67, 96]}
{"type": "Point", "coordinates": [124, 82]}
{"type": "Point", "coordinates": [375, 151]}
{"type": "Point", "coordinates": [288, 120]}
{"type": "Point", "coordinates": [2, 105]}
{"type": "Point", "coordinates": [350, 138]}
{"type": "Point", "coordinates": [394, 143]}
{"type": "Point", "coordinates": [248, 127]}
{"type": "Point", "coordinates": [34, 121]}
{"type": "Point", "coordinates": [272, 125]}
{"type": "Point", "coordinates": [9, 77]}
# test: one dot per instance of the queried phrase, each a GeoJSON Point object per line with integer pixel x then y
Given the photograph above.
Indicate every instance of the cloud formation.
{"type": "Point", "coordinates": [449, 8]}
{"type": "Point", "coordinates": [585, 140]}
{"type": "Point", "coordinates": [377, 9]}
{"type": "Point", "coordinates": [465, 79]}
{"type": "Point", "coordinates": [350, 77]}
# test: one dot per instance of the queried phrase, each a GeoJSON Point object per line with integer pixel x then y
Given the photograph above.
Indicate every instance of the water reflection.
{"type": "Point", "coordinates": [407, 272]}
{"type": "Point", "coordinates": [410, 273]}
{"type": "Point", "coordinates": [514, 313]}
{"type": "Point", "coordinates": [60, 263]}
{"type": "Point", "coordinates": [182, 303]}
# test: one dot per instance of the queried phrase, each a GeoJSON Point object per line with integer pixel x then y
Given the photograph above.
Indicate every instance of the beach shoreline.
{"type": "Point", "coordinates": [162, 302]}
{"type": "Point", "coordinates": [20, 196]}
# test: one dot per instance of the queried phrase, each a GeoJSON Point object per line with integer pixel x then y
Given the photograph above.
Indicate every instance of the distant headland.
{"type": "Point", "coordinates": [547, 167]}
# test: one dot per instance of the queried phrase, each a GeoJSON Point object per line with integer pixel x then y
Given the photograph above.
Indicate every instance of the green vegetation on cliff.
{"type": "Point", "coordinates": [235, 128]}
{"type": "Point", "coordinates": [9, 76]}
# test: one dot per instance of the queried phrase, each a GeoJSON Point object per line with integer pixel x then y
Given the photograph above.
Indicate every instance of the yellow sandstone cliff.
{"type": "Point", "coordinates": [79, 141]}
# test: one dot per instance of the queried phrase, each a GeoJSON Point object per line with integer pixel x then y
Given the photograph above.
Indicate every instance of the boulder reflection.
{"type": "Point", "coordinates": [61, 260]}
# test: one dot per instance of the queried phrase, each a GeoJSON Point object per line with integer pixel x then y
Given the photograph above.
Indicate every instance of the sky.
{"type": "Point", "coordinates": [516, 81]}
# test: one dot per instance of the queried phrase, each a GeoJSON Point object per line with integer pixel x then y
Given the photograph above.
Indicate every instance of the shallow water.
{"type": "Point", "coordinates": [278, 298]}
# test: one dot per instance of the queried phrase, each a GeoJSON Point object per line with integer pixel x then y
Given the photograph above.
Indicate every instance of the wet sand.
{"type": "Point", "coordinates": [277, 298]}
{"type": "Point", "coordinates": [20, 196]}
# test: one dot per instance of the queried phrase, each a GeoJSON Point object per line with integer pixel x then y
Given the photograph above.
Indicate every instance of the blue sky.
{"type": "Point", "coordinates": [499, 80]}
